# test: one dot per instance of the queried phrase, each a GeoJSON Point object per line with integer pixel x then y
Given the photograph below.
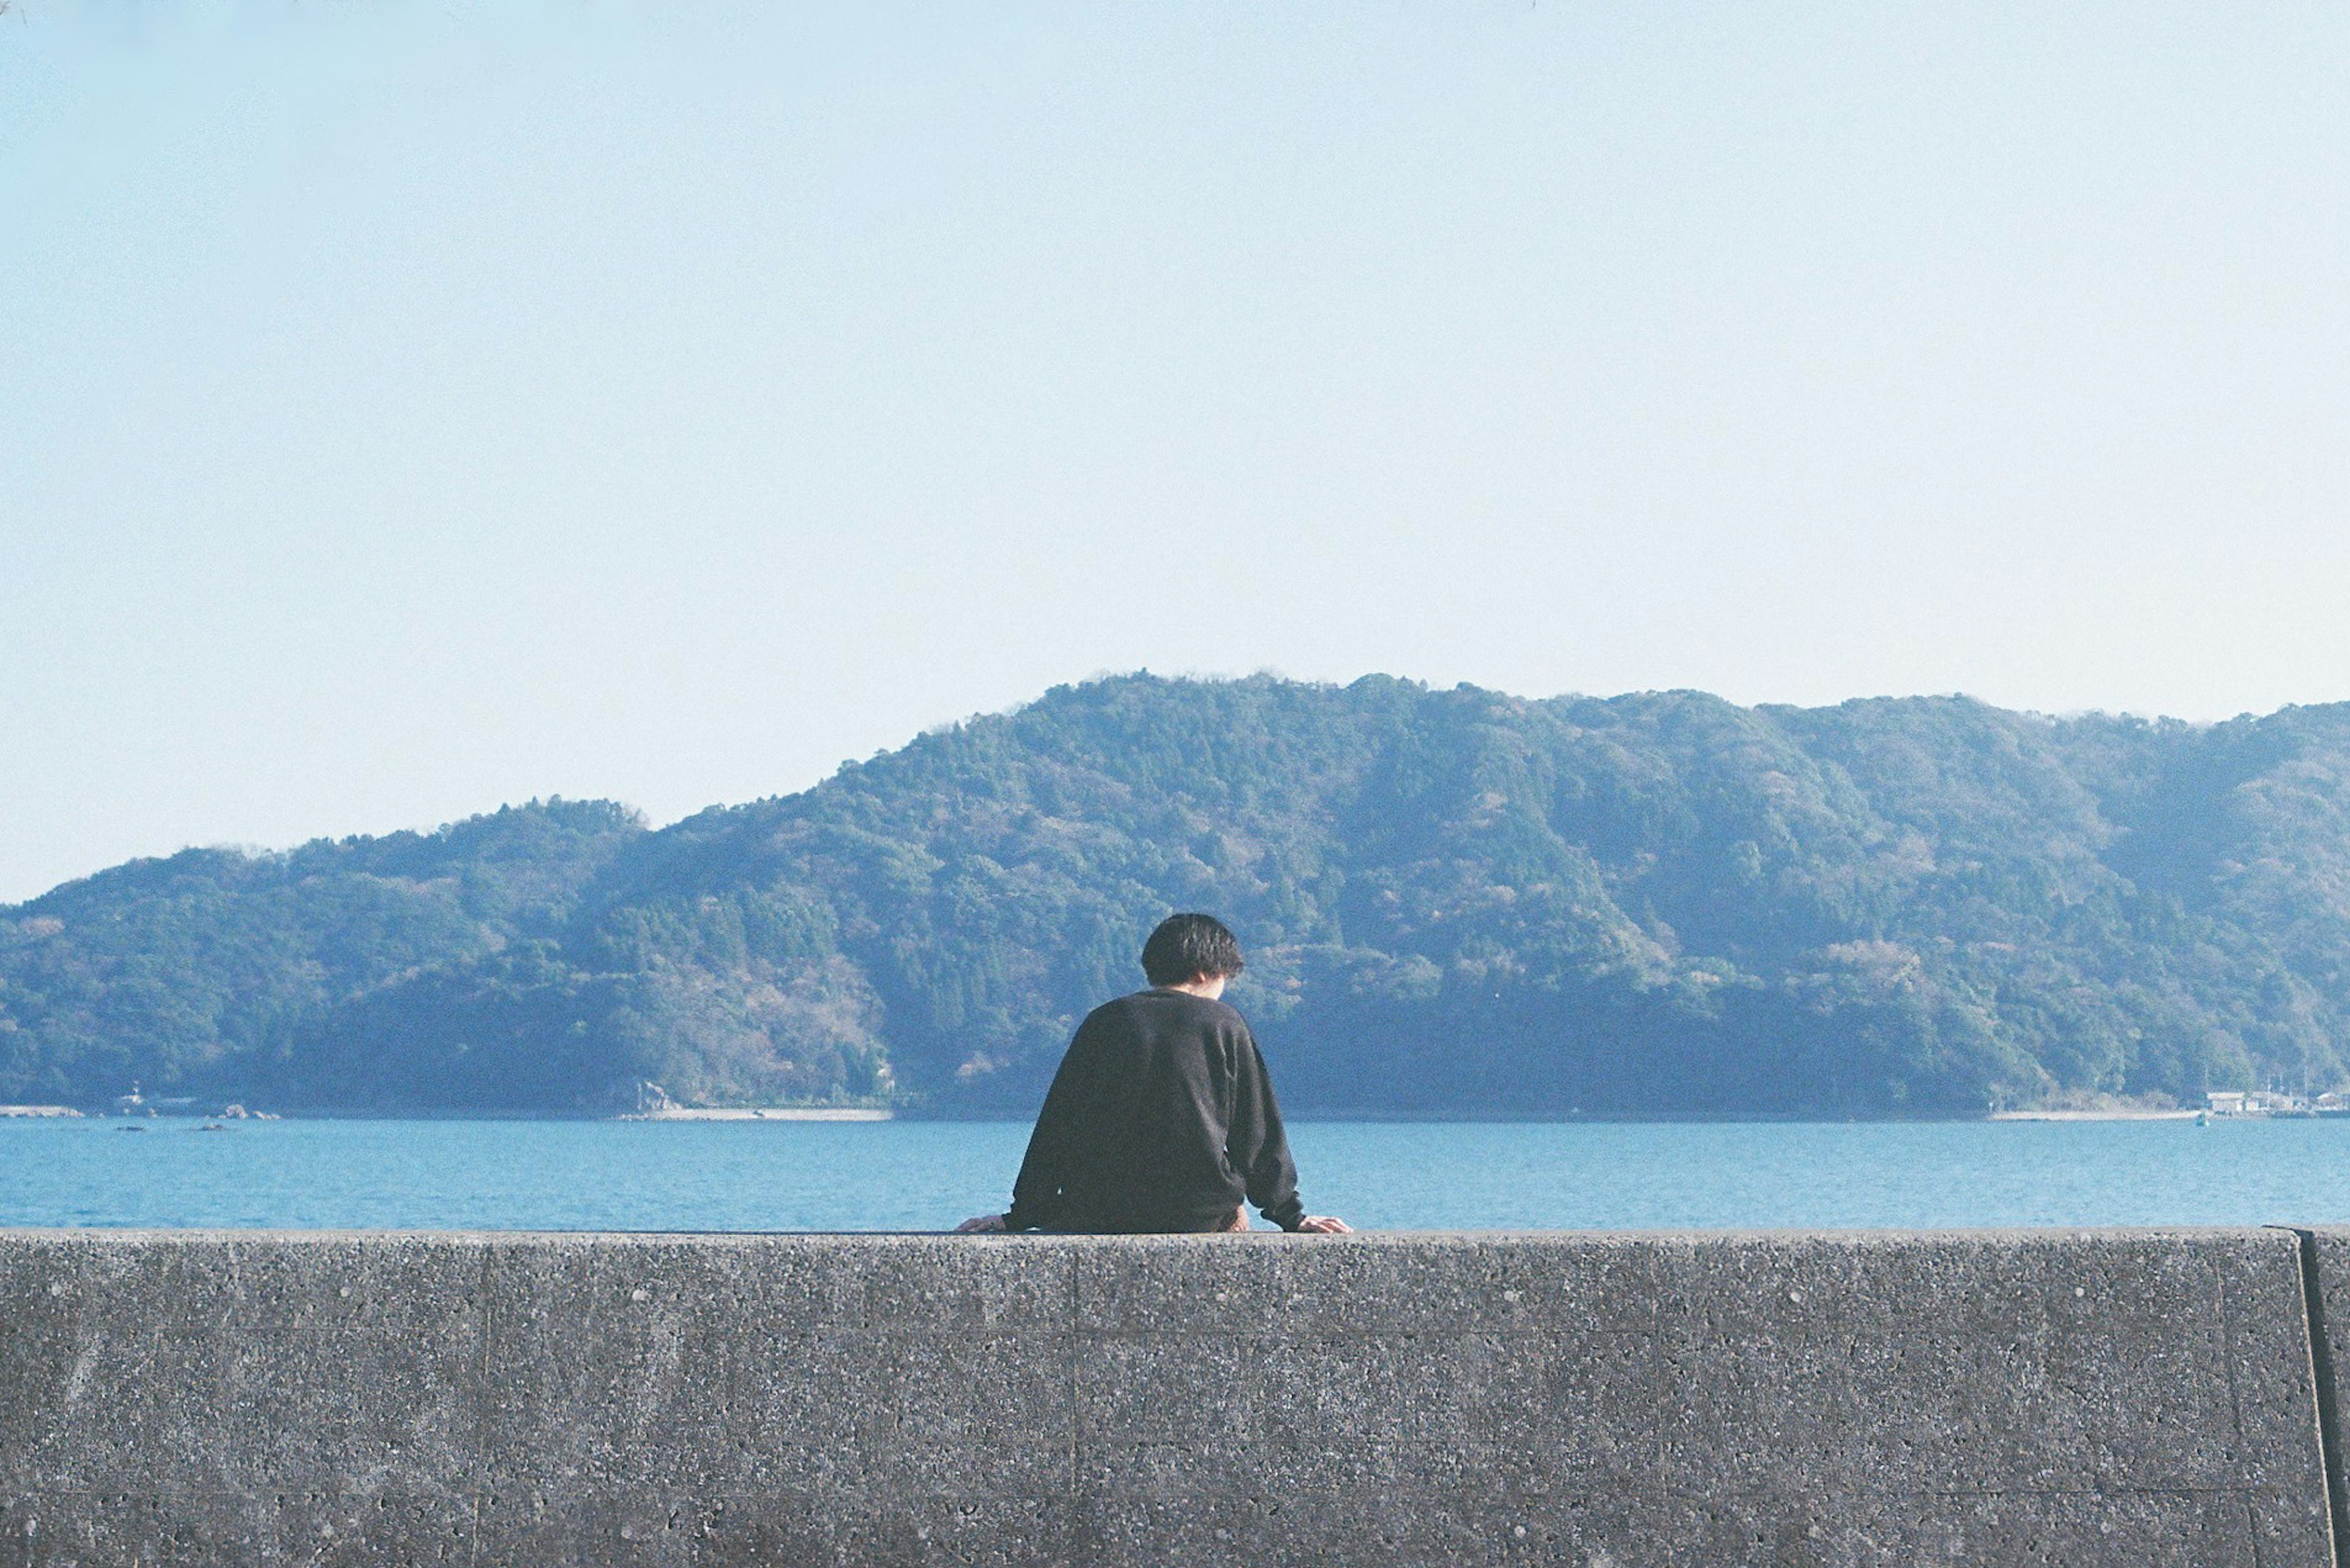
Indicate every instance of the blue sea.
{"type": "Point", "coordinates": [925, 1176]}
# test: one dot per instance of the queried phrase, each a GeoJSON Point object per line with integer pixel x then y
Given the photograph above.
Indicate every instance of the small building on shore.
{"type": "Point", "coordinates": [2258, 1102]}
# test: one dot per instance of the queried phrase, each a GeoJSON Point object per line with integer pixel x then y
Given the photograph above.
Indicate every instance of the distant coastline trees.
{"type": "Point", "coordinates": [1456, 902]}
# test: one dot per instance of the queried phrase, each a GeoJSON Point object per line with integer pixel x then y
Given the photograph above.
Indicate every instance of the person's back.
{"type": "Point", "coordinates": [1159, 1120]}
{"type": "Point", "coordinates": [1162, 1116]}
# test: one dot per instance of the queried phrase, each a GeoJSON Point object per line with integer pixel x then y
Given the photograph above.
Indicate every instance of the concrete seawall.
{"type": "Point", "coordinates": [2047, 1398]}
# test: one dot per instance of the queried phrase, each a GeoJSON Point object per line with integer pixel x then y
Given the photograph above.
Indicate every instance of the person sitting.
{"type": "Point", "coordinates": [1161, 1117]}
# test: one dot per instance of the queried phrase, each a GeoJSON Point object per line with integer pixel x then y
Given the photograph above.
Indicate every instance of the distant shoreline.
{"type": "Point", "coordinates": [762, 1113]}
{"type": "Point", "coordinates": [2113, 1116]}
{"type": "Point", "coordinates": [878, 1114]}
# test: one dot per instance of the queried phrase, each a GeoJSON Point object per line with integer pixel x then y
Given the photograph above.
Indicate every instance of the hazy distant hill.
{"type": "Point", "coordinates": [1453, 902]}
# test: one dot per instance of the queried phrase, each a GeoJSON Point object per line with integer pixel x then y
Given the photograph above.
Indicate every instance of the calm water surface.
{"type": "Point", "coordinates": [814, 1176]}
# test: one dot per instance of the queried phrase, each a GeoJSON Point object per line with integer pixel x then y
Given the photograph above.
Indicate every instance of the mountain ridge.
{"type": "Point", "coordinates": [1455, 902]}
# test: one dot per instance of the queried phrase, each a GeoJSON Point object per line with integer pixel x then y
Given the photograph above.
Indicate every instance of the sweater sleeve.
{"type": "Point", "coordinates": [1045, 1171]}
{"type": "Point", "coordinates": [1259, 1145]}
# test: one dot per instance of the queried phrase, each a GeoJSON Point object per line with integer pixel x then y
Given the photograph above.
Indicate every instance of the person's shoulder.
{"type": "Point", "coordinates": [1159, 1008]}
{"type": "Point", "coordinates": [1224, 1013]}
{"type": "Point", "coordinates": [1206, 1012]}
{"type": "Point", "coordinates": [1123, 1013]}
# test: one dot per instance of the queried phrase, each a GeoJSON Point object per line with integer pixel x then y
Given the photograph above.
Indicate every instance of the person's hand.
{"type": "Point", "coordinates": [980, 1222]}
{"type": "Point", "coordinates": [1325, 1225]}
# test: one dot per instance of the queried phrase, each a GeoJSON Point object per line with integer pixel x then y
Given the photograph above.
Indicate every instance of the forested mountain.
{"type": "Point", "coordinates": [1453, 902]}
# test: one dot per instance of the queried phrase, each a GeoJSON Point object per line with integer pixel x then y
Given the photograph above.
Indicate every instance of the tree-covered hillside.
{"type": "Point", "coordinates": [1455, 902]}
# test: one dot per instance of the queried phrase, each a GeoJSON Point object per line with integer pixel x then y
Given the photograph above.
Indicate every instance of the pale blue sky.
{"type": "Point", "coordinates": [414, 408]}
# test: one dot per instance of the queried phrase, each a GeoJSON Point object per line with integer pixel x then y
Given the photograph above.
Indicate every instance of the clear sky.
{"type": "Point", "coordinates": [412, 407]}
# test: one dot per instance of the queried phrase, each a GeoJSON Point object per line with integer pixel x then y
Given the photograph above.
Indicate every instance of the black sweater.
{"type": "Point", "coordinates": [1161, 1118]}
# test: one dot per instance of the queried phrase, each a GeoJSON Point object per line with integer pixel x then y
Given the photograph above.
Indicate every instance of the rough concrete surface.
{"type": "Point", "coordinates": [2062, 1397]}
{"type": "Point", "coordinates": [2326, 1253]}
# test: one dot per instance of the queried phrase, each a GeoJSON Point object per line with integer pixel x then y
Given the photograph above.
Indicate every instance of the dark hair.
{"type": "Point", "coordinates": [1186, 947]}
